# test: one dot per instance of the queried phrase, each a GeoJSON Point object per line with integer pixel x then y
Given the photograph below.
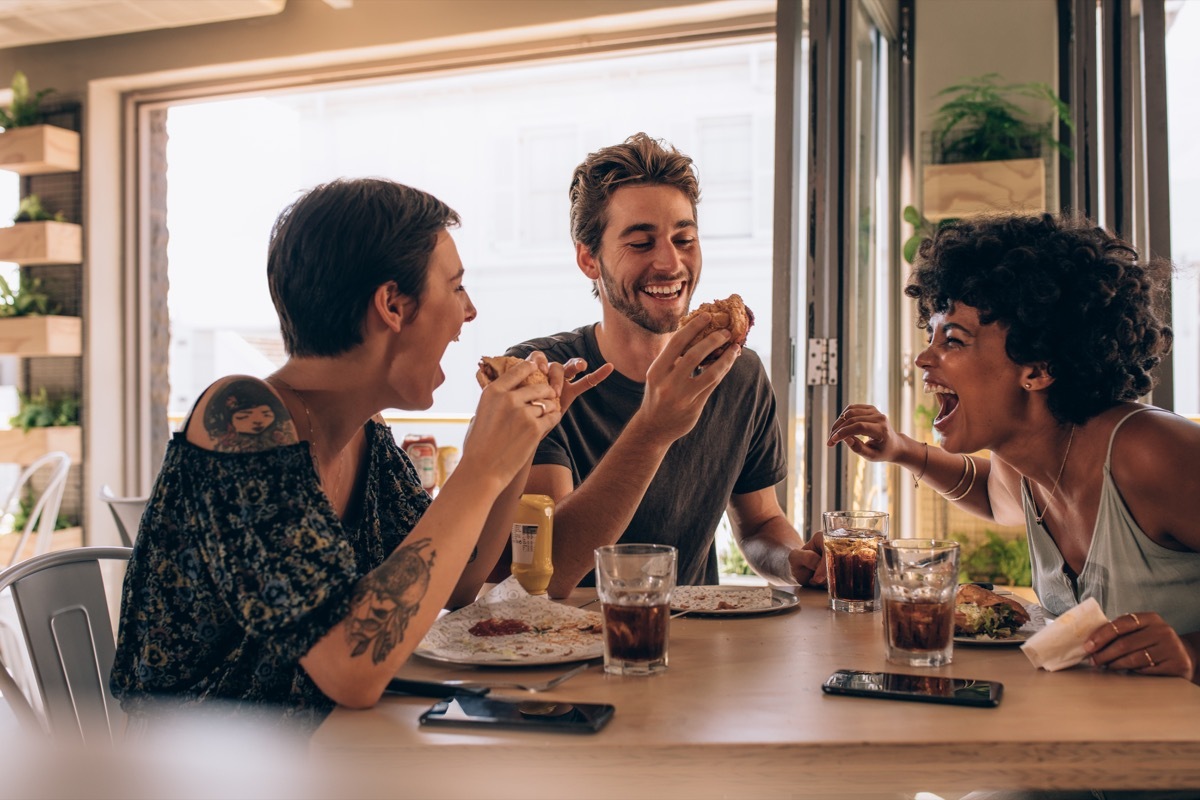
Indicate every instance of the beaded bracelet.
{"type": "Point", "coordinates": [970, 486]}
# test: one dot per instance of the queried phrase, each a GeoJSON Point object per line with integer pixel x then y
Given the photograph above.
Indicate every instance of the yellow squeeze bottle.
{"type": "Point", "coordinates": [531, 540]}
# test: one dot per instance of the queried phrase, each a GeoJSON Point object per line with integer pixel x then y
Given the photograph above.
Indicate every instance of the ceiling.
{"type": "Point", "coordinates": [26, 22]}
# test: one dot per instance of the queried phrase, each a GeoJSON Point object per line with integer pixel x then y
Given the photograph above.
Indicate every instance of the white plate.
{"type": "Point", "coordinates": [780, 601]}
{"type": "Point", "coordinates": [450, 641]}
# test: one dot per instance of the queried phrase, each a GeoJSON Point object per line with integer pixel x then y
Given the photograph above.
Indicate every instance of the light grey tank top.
{"type": "Point", "coordinates": [1125, 571]}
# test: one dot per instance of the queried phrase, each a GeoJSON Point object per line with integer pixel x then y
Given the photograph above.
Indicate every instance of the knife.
{"type": "Point", "coordinates": [431, 689]}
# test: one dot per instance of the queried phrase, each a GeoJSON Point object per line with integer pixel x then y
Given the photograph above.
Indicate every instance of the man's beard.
{"type": "Point", "coordinates": [632, 310]}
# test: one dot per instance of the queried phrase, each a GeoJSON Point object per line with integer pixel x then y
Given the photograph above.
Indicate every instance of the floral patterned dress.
{"type": "Point", "coordinates": [241, 565]}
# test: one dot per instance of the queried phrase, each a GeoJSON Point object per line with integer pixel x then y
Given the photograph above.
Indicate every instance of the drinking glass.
{"type": "Point", "coordinates": [634, 582]}
{"type": "Point", "coordinates": [851, 541]}
{"type": "Point", "coordinates": [919, 580]}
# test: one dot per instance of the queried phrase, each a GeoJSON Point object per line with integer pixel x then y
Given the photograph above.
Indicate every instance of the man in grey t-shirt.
{"type": "Point", "coordinates": [659, 449]}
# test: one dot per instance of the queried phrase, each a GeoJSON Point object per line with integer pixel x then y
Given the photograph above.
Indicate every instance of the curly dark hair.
{"type": "Point", "coordinates": [1071, 295]}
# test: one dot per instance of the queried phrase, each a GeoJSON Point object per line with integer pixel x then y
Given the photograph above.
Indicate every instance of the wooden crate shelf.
{"type": "Point", "coordinates": [48, 242]}
{"type": "Point", "coordinates": [963, 190]}
{"type": "Point", "coordinates": [63, 539]}
{"type": "Point", "coordinates": [25, 447]}
{"type": "Point", "coordinates": [41, 336]}
{"type": "Point", "coordinates": [39, 150]}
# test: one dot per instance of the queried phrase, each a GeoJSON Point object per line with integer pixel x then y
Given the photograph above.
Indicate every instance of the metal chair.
{"type": "Point", "coordinates": [63, 612]}
{"type": "Point", "coordinates": [44, 513]}
{"type": "Point", "coordinates": [126, 511]}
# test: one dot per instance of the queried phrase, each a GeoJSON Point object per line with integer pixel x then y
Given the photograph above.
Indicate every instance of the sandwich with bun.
{"type": "Point", "coordinates": [492, 367]}
{"type": "Point", "coordinates": [980, 612]}
{"type": "Point", "coordinates": [729, 314]}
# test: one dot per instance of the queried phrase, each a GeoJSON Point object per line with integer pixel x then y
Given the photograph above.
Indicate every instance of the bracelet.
{"type": "Point", "coordinates": [924, 466]}
{"type": "Point", "coordinates": [961, 481]}
{"type": "Point", "coordinates": [970, 485]}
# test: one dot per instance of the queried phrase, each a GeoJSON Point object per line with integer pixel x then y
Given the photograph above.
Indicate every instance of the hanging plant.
{"type": "Point", "coordinates": [26, 108]}
{"type": "Point", "coordinates": [981, 123]}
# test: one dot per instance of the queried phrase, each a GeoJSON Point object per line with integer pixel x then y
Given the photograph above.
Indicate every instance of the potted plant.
{"type": "Point", "coordinates": [29, 325]}
{"type": "Point", "coordinates": [29, 147]}
{"type": "Point", "coordinates": [38, 236]}
{"type": "Point", "coordinates": [42, 424]}
{"type": "Point", "coordinates": [988, 151]}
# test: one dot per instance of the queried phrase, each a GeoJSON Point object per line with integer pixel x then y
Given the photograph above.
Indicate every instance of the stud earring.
{"type": "Point", "coordinates": [1029, 386]}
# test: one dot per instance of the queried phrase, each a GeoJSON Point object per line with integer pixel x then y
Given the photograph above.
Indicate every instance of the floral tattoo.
{"type": "Point", "coordinates": [390, 597]}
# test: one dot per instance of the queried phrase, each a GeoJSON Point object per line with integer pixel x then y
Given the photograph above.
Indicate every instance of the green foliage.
{"type": "Point", "coordinates": [997, 560]}
{"type": "Point", "coordinates": [26, 108]}
{"type": "Point", "coordinates": [732, 562]}
{"type": "Point", "coordinates": [27, 300]}
{"type": "Point", "coordinates": [922, 229]}
{"type": "Point", "coordinates": [42, 411]}
{"type": "Point", "coordinates": [20, 514]}
{"type": "Point", "coordinates": [32, 210]}
{"type": "Point", "coordinates": [980, 123]}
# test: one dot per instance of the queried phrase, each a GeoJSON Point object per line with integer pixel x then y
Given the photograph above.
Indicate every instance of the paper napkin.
{"type": "Point", "coordinates": [1060, 644]}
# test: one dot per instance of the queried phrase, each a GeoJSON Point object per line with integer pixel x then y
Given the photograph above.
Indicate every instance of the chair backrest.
{"type": "Point", "coordinates": [44, 513]}
{"type": "Point", "coordinates": [126, 511]}
{"type": "Point", "coordinates": [63, 612]}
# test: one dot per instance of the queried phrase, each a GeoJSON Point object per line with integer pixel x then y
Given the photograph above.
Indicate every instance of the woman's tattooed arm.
{"type": "Point", "coordinates": [387, 599]}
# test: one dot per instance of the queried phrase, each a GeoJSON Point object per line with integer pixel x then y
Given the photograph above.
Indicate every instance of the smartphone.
{"type": "Point", "coordinates": [545, 715]}
{"type": "Point", "coordinates": [922, 688]}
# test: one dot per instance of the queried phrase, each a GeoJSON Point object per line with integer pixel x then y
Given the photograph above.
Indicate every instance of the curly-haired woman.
{"type": "Point", "coordinates": [1042, 335]}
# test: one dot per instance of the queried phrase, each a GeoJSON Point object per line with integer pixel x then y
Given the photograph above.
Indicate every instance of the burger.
{"type": "Point", "coordinates": [492, 367]}
{"type": "Point", "coordinates": [980, 612]}
{"type": "Point", "coordinates": [729, 314]}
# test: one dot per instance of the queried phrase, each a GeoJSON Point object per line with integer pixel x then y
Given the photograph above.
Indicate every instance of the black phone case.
{"type": "Point", "coordinates": [531, 715]}
{"type": "Point", "coordinates": [976, 701]}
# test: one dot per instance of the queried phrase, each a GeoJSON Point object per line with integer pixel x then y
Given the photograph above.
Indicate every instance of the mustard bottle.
{"type": "Point", "coordinates": [531, 540]}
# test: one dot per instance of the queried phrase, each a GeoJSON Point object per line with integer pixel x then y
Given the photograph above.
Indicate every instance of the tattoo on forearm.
{"type": "Point", "coordinates": [387, 599]}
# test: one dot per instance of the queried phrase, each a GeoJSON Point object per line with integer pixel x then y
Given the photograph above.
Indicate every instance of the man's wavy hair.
{"type": "Point", "coordinates": [1071, 295]}
{"type": "Point", "coordinates": [638, 161]}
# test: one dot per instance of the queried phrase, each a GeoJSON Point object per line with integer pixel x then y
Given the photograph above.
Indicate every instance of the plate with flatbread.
{"type": "Point", "coordinates": [516, 632]}
{"type": "Point", "coordinates": [731, 601]}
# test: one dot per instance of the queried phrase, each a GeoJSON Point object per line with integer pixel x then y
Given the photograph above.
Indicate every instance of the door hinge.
{"type": "Point", "coordinates": [822, 362]}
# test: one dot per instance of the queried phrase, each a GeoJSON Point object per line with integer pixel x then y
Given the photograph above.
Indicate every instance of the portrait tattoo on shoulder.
{"type": "Point", "coordinates": [391, 596]}
{"type": "Point", "coordinates": [245, 416]}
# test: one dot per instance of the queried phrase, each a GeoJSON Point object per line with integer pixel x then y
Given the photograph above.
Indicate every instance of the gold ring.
{"type": "Point", "coordinates": [1116, 630]}
{"type": "Point", "coordinates": [540, 405]}
{"type": "Point", "coordinates": [1136, 621]}
{"type": "Point", "coordinates": [1149, 657]}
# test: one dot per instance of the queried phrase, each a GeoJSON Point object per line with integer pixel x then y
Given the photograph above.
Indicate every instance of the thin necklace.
{"type": "Point", "coordinates": [312, 435]}
{"type": "Point", "coordinates": [1053, 491]}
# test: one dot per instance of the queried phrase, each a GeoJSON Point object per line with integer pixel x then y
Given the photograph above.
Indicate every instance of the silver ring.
{"type": "Point", "coordinates": [1149, 658]}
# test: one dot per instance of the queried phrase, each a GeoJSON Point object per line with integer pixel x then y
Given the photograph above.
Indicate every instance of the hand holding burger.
{"type": "Point", "coordinates": [729, 314]}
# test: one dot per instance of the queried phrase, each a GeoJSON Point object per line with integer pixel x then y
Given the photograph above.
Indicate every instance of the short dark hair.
{"type": "Point", "coordinates": [639, 160]}
{"type": "Point", "coordinates": [1070, 294]}
{"type": "Point", "coordinates": [332, 248]}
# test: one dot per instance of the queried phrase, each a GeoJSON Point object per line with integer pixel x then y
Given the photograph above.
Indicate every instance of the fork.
{"type": "Point", "coordinates": [543, 686]}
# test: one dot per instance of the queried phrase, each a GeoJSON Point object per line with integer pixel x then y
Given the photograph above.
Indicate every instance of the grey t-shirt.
{"type": "Point", "coordinates": [736, 447]}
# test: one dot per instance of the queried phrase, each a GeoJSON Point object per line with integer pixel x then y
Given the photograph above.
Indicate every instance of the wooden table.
{"type": "Point", "coordinates": [740, 713]}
